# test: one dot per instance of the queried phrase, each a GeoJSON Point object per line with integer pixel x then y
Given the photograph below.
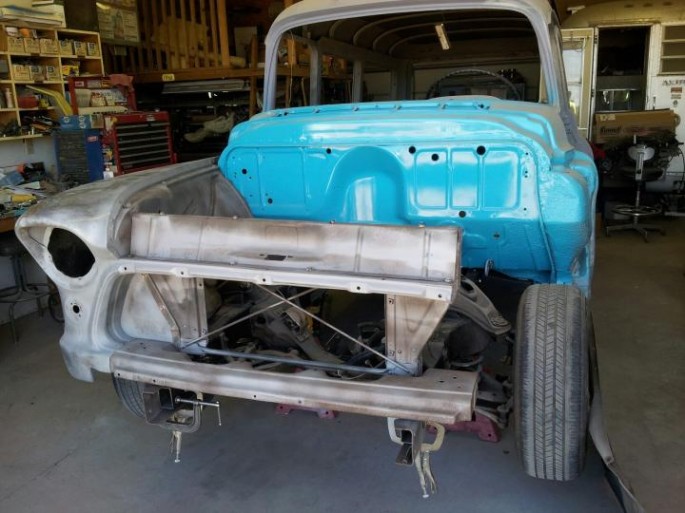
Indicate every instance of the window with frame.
{"type": "Point", "coordinates": [673, 50]}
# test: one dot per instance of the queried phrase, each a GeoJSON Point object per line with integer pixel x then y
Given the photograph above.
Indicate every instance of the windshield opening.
{"type": "Point", "coordinates": [410, 56]}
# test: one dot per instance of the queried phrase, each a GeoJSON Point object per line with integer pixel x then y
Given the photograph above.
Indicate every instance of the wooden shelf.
{"type": "Point", "coordinates": [81, 57]}
{"type": "Point", "coordinates": [218, 73]}
{"type": "Point", "coordinates": [33, 109]}
{"type": "Point", "coordinates": [22, 137]}
{"type": "Point", "coordinates": [34, 55]}
{"type": "Point", "coordinates": [37, 82]}
{"type": "Point", "coordinates": [86, 63]}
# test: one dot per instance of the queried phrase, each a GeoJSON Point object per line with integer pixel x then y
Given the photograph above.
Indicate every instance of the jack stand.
{"type": "Point", "coordinates": [485, 428]}
{"type": "Point", "coordinates": [322, 413]}
{"type": "Point", "coordinates": [175, 446]}
{"type": "Point", "coordinates": [414, 451]}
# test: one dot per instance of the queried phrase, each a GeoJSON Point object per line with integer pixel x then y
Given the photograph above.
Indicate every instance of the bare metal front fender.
{"type": "Point", "coordinates": [100, 215]}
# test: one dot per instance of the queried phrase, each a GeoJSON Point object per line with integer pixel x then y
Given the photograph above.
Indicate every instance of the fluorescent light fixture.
{"type": "Point", "coordinates": [442, 36]}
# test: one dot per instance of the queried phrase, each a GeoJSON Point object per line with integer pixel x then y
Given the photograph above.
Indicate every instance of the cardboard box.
{"type": "Point", "coordinates": [70, 70]}
{"type": "Point", "coordinates": [24, 4]}
{"type": "Point", "coordinates": [52, 73]}
{"type": "Point", "coordinates": [612, 126]}
{"type": "Point", "coordinates": [48, 46]}
{"type": "Point", "coordinates": [66, 47]}
{"type": "Point", "coordinates": [31, 45]}
{"type": "Point", "coordinates": [37, 73]}
{"type": "Point", "coordinates": [21, 72]}
{"type": "Point", "coordinates": [80, 48]}
{"type": "Point", "coordinates": [52, 12]}
{"type": "Point", "coordinates": [15, 44]}
{"type": "Point", "coordinates": [92, 49]}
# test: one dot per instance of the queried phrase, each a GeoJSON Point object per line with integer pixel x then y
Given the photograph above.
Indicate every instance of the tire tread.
{"type": "Point", "coordinates": [551, 388]}
{"type": "Point", "coordinates": [130, 394]}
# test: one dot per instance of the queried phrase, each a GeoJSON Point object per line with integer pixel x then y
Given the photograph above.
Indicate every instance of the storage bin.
{"type": "Point", "coordinates": [28, 101]}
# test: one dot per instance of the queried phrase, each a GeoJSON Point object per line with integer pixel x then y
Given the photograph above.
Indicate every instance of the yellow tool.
{"type": "Point", "coordinates": [21, 198]}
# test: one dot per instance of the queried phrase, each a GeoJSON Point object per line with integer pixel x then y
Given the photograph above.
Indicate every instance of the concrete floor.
{"type": "Point", "coordinates": [66, 446]}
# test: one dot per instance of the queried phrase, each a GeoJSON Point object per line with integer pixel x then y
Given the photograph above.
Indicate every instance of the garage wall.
{"type": "Point", "coordinates": [11, 154]}
{"type": "Point", "coordinates": [378, 84]}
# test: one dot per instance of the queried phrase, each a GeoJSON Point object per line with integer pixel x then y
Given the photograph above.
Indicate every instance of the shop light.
{"type": "Point", "coordinates": [442, 36]}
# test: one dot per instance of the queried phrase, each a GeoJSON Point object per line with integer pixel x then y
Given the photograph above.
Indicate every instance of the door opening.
{"type": "Point", "coordinates": [622, 68]}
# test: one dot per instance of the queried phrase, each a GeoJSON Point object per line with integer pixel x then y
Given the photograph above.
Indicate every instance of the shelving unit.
{"type": "Point", "coordinates": [42, 57]}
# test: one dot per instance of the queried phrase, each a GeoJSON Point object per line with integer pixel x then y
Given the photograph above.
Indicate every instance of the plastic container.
{"type": "Point", "coordinates": [28, 101]}
{"type": "Point", "coordinates": [9, 101]}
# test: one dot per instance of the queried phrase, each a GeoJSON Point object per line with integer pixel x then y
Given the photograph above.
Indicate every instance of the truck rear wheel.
{"type": "Point", "coordinates": [551, 387]}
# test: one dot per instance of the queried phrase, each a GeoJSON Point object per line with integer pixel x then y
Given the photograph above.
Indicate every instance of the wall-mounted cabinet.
{"type": "Point", "coordinates": [35, 65]}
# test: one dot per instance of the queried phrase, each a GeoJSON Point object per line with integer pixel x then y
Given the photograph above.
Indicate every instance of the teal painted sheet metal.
{"type": "Point", "coordinates": [488, 165]}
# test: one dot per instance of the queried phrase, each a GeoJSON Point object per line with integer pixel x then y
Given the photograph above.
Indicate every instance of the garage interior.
{"type": "Point", "coordinates": [180, 75]}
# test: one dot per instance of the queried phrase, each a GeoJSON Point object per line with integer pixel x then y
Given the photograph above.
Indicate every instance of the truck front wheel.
{"type": "Point", "coordinates": [551, 387]}
{"type": "Point", "coordinates": [130, 394]}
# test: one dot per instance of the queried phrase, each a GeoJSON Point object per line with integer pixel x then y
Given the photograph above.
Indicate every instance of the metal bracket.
{"type": "Point", "coordinates": [474, 304]}
{"type": "Point", "coordinates": [410, 322]}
